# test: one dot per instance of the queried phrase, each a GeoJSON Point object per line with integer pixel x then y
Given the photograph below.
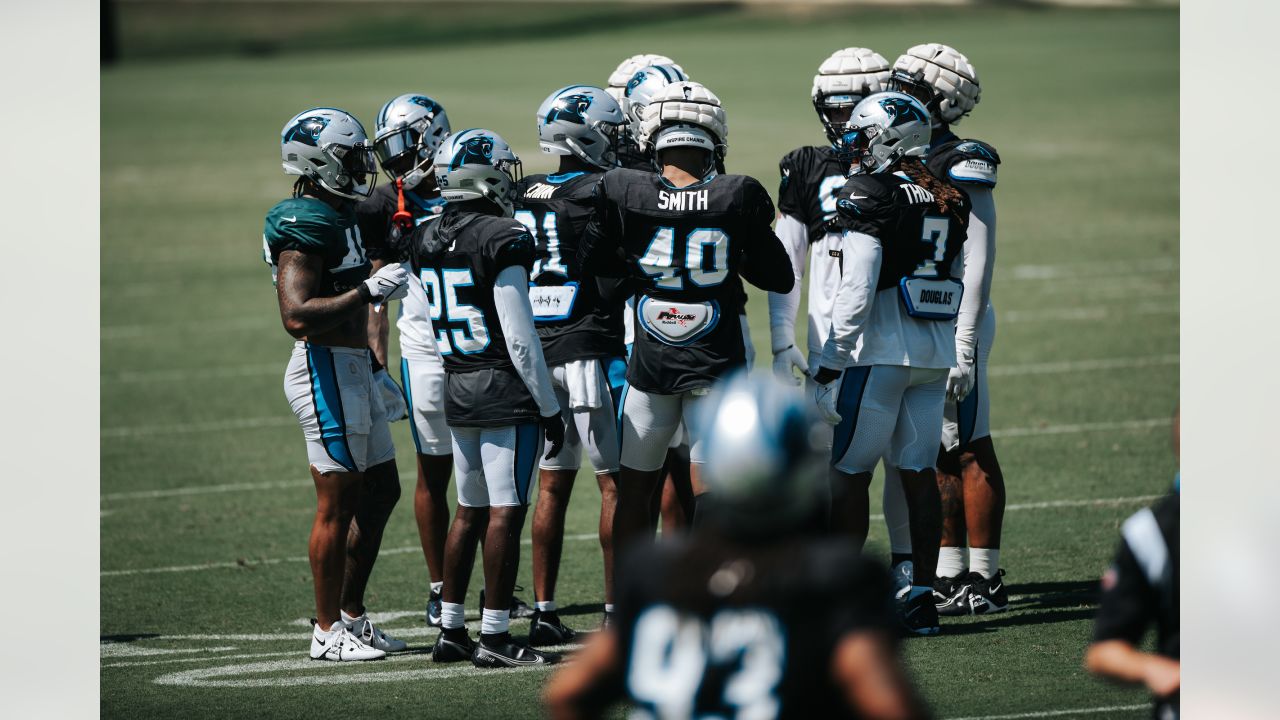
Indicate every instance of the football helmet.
{"type": "Point", "coordinates": [688, 103]}
{"type": "Point", "coordinates": [843, 80]}
{"type": "Point", "coordinates": [763, 471]}
{"type": "Point", "coordinates": [478, 164]}
{"type": "Point", "coordinates": [410, 126]}
{"type": "Point", "coordinates": [627, 68]}
{"type": "Point", "coordinates": [582, 121]}
{"type": "Point", "coordinates": [643, 85]}
{"type": "Point", "coordinates": [884, 128]}
{"type": "Point", "coordinates": [330, 148]}
{"type": "Point", "coordinates": [941, 78]}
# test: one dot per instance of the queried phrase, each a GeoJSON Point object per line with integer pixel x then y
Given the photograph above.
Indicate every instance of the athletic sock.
{"type": "Point", "coordinates": [437, 587]}
{"type": "Point", "coordinates": [494, 622]}
{"type": "Point", "coordinates": [984, 561]}
{"type": "Point", "coordinates": [347, 619]}
{"type": "Point", "coordinates": [950, 561]}
{"type": "Point", "coordinates": [452, 615]}
{"type": "Point", "coordinates": [608, 607]}
{"type": "Point", "coordinates": [546, 605]}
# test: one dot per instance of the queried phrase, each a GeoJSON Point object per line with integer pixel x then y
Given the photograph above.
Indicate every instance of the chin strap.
{"type": "Point", "coordinates": [401, 217]}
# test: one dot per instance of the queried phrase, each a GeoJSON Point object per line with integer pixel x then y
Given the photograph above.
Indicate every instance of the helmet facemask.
{"type": "Point", "coordinates": [916, 86]}
{"type": "Point", "coordinates": [358, 174]}
{"type": "Point", "coordinates": [834, 112]}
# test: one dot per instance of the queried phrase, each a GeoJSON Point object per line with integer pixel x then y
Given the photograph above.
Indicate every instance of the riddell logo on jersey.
{"type": "Point", "coordinates": [674, 315]}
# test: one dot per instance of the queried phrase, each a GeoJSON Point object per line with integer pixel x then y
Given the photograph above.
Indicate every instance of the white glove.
{"type": "Point", "coordinates": [392, 396]}
{"type": "Point", "coordinates": [825, 398]}
{"type": "Point", "coordinates": [961, 378]}
{"type": "Point", "coordinates": [391, 282]}
{"type": "Point", "coordinates": [787, 361]}
{"type": "Point", "coordinates": [746, 342]}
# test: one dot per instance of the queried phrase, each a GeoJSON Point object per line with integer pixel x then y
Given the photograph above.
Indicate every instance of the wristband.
{"type": "Point", "coordinates": [365, 293]}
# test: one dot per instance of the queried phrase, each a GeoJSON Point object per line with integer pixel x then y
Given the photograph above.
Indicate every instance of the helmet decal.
{"type": "Point", "coordinates": [903, 111]}
{"type": "Point", "coordinates": [975, 148]}
{"type": "Point", "coordinates": [307, 130]}
{"type": "Point", "coordinates": [570, 108]}
{"type": "Point", "coordinates": [635, 82]}
{"type": "Point", "coordinates": [431, 105]}
{"type": "Point", "coordinates": [477, 150]}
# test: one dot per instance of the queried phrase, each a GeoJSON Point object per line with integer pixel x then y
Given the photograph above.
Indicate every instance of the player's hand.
{"type": "Point", "coordinates": [1162, 675]}
{"type": "Point", "coordinates": [391, 282]}
{"type": "Point", "coordinates": [961, 378]}
{"type": "Point", "coordinates": [392, 396]}
{"type": "Point", "coordinates": [824, 395]}
{"type": "Point", "coordinates": [553, 431]}
{"type": "Point", "coordinates": [787, 361]}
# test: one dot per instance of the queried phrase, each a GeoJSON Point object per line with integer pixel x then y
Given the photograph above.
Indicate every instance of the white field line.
{"type": "Point", "coordinates": [322, 673]}
{"type": "Point", "coordinates": [199, 427]}
{"type": "Point", "coordinates": [1068, 366]}
{"type": "Point", "coordinates": [1051, 504]}
{"type": "Point", "coordinates": [130, 650]}
{"type": "Point", "coordinates": [1091, 312]}
{"type": "Point", "coordinates": [1060, 713]}
{"type": "Point", "coordinates": [1142, 266]}
{"type": "Point", "coordinates": [1079, 428]}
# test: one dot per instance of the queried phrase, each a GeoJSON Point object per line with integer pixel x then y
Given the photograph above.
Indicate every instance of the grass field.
{"type": "Point", "coordinates": [206, 502]}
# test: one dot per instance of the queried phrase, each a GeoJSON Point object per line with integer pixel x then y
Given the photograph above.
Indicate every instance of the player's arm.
{"type": "Point", "coordinates": [600, 250]}
{"type": "Point", "coordinates": [304, 313]}
{"type": "Point", "coordinates": [861, 255]}
{"type": "Point", "coordinates": [868, 671]}
{"type": "Point", "coordinates": [585, 687]}
{"type": "Point", "coordinates": [783, 307]}
{"type": "Point", "coordinates": [978, 257]}
{"type": "Point", "coordinates": [379, 328]}
{"type": "Point", "coordinates": [765, 263]}
{"type": "Point", "coordinates": [515, 314]}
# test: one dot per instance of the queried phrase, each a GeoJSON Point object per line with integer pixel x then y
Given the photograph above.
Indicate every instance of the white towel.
{"type": "Point", "coordinates": [585, 383]}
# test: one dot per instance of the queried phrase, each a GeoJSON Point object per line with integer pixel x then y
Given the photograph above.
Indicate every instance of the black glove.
{"type": "Point", "coordinates": [553, 431]}
{"type": "Point", "coordinates": [825, 375]}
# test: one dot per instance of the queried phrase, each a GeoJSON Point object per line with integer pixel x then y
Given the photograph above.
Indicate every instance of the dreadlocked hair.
{"type": "Point", "coordinates": [945, 195]}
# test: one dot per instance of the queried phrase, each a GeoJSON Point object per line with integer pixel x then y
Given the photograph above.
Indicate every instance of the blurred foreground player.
{"type": "Point", "coordinates": [748, 617]}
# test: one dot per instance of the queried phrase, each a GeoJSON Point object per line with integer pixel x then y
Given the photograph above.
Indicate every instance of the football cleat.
{"type": "Point", "coordinates": [500, 651]}
{"type": "Point", "coordinates": [987, 595]}
{"type": "Point", "coordinates": [433, 610]}
{"type": "Point", "coordinates": [917, 613]}
{"type": "Point", "coordinates": [545, 628]}
{"type": "Point", "coordinates": [369, 634]}
{"type": "Point", "coordinates": [951, 595]}
{"type": "Point", "coordinates": [339, 645]}
{"type": "Point", "coordinates": [447, 651]}
{"type": "Point", "coordinates": [903, 574]}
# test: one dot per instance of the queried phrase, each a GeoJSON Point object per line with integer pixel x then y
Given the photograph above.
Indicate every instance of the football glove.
{"type": "Point", "coordinates": [391, 282]}
{"type": "Point", "coordinates": [553, 431]}
{"type": "Point", "coordinates": [392, 396]}
{"type": "Point", "coordinates": [824, 396]}
{"type": "Point", "coordinates": [786, 361]}
{"type": "Point", "coordinates": [746, 341]}
{"type": "Point", "coordinates": [961, 378]}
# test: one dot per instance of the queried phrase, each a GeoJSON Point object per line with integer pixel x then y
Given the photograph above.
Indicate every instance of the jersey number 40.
{"type": "Point", "coordinates": [706, 258]}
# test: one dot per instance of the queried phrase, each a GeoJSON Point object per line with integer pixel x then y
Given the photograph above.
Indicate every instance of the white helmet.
{"type": "Point", "coordinates": [622, 75]}
{"type": "Point", "coordinates": [688, 103]}
{"type": "Point", "coordinates": [411, 125]}
{"type": "Point", "coordinates": [478, 164]}
{"type": "Point", "coordinates": [843, 80]}
{"type": "Point", "coordinates": [329, 147]}
{"type": "Point", "coordinates": [884, 128]}
{"type": "Point", "coordinates": [582, 121]}
{"type": "Point", "coordinates": [940, 77]}
{"type": "Point", "coordinates": [643, 85]}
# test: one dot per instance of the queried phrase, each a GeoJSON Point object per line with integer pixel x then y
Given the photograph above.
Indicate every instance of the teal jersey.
{"type": "Point", "coordinates": [314, 227]}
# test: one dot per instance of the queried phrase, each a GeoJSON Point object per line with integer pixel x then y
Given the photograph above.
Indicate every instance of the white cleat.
{"type": "Point", "coordinates": [339, 645]}
{"type": "Point", "coordinates": [369, 634]}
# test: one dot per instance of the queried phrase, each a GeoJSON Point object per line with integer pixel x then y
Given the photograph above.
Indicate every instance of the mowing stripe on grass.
{"type": "Point", "coordinates": [1068, 366]}
{"type": "Point", "coordinates": [1088, 312]}
{"type": "Point", "coordinates": [1048, 504]}
{"type": "Point", "coordinates": [1059, 713]}
{"type": "Point", "coordinates": [1081, 427]}
{"type": "Point", "coordinates": [1122, 268]}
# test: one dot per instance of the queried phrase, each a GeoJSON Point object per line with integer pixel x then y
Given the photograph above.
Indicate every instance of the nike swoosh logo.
{"type": "Point", "coordinates": [292, 219]}
{"type": "Point", "coordinates": [322, 642]}
{"type": "Point", "coordinates": [859, 197]}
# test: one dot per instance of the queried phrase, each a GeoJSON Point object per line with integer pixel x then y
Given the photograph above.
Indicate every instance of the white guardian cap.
{"type": "Point", "coordinates": [407, 132]}
{"type": "Point", "coordinates": [329, 147]}
{"type": "Point", "coordinates": [478, 164]}
{"type": "Point", "coordinates": [686, 103]}
{"type": "Point", "coordinates": [843, 80]}
{"type": "Point", "coordinates": [939, 76]}
{"type": "Point", "coordinates": [582, 121]}
{"type": "Point", "coordinates": [627, 68]}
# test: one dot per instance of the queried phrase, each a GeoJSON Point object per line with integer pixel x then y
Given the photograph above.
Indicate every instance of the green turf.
{"type": "Point", "coordinates": [1081, 104]}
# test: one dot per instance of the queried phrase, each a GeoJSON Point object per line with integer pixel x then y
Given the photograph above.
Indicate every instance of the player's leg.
{"type": "Point", "coordinates": [690, 405]}
{"type": "Point", "coordinates": [555, 486]}
{"type": "Point", "coordinates": [648, 422]}
{"type": "Point", "coordinates": [868, 402]}
{"type": "Point", "coordinates": [424, 394]}
{"type": "Point", "coordinates": [898, 522]}
{"type": "Point", "coordinates": [510, 455]}
{"type": "Point", "coordinates": [951, 586]}
{"type": "Point", "coordinates": [984, 493]}
{"type": "Point", "coordinates": [913, 450]}
{"type": "Point", "coordinates": [381, 492]}
{"type": "Point", "coordinates": [676, 501]}
{"type": "Point", "coordinates": [469, 524]}
{"type": "Point", "coordinates": [616, 372]}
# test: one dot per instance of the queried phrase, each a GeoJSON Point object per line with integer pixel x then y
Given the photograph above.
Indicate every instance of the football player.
{"type": "Point", "coordinates": [892, 339]}
{"type": "Point", "coordinates": [630, 155]}
{"type": "Point", "coordinates": [582, 336]}
{"type": "Point", "coordinates": [474, 265]}
{"type": "Point", "coordinates": [322, 275]}
{"type": "Point", "coordinates": [748, 617]}
{"type": "Point", "coordinates": [408, 131]}
{"type": "Point", "coordinates": [970, 479]}
{"type": "Point", "coordinates": [676, 241]}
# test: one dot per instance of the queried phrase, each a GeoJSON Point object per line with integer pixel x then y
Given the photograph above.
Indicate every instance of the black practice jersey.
{"type": "Point", "coordinates": [718, 630]}
{"type": "Point", "coordinates": [374, 215]}
{"type": "Point", "coordinates": [682, 249]}
{"type": "Point", "coordinates": [917, 238]}
{"type": "Point", "coordinates": [573, 321]}
{"type": "Point", "coordinates": [811, 177]}
{"type": "Point", "coordinates": [458, 259]}
{"type": "Point", "coordinates": [963, 162]}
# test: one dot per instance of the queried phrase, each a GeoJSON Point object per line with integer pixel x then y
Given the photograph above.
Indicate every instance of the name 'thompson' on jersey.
{"type": "Point", "coordinates": [684, 247]}
{"type": "Point", "coordinates": [556, 209]}
{"type": "Point", "coordinates": [457, 259]}
{"type": "Point", "coordinates": [811, 177]}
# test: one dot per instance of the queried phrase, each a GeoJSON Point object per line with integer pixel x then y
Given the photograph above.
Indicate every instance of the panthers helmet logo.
{"type": "Point", "coordinates": [903, 111]}
{"type": "Point", "coordinates": [307, 130]}
{"type": "Point", "coordinates": [973, 148]}
{"type": "Point", "coordinates": [570, 108]}
{"type": "Point", "coordinates": [431, 105]}
{"type": "Point", "coordinates": [475, 151]}
{"type": "Point", "coordinates": [635, 82]}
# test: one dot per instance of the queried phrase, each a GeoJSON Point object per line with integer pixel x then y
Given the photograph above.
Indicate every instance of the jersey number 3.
{"type": "Point", "coordinates": [442, 297]}
{"type": "Point", "coordinates": [706, 258]}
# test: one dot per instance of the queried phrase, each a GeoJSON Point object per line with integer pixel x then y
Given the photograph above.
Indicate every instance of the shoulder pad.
{"type": "Point", "coordinates": [511, 242]}
{"type": "Point", "coordinates": [863, 196]}
{"type": "Point", "coordinates": [966, 161]}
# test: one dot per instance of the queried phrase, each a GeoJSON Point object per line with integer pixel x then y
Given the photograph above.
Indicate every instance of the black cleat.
{"type": "Point", "coordinates": [456, 650]}
{"type": "Point", "coordinates": [987, 595]}
{"type": "Point", "coordinates": [917, 613]}
{"type": "Point", "coordinates": [545, 628]}
{"type": "Point", "coordinates": [433, 610]}
{"type": "Point", "coordinates": [500, 651]}
{"type": "Point", "coordinates": [951, 594]}
{"type": "Point", "coordinates": [519, 608]}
